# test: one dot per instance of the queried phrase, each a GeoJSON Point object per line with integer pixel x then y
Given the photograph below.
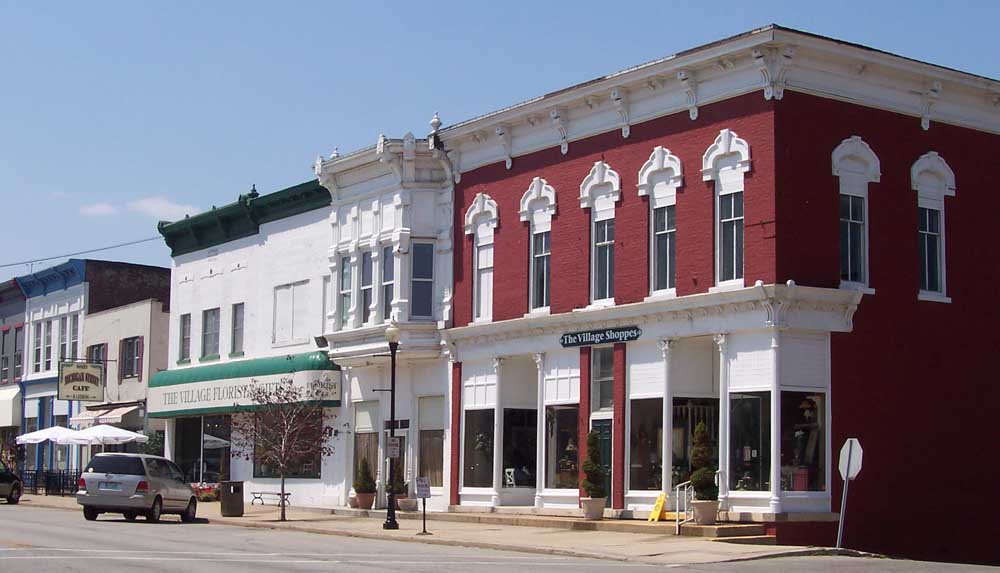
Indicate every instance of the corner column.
{"type": "Point", "coordinates": [618, 429]}
{"type": "Point", "coordinates": [498, 435]}
{"type": "Point", "coordinates": [583, 422]}
{"type": "Point", "coordinates": [775, 503]}
{"type": "Point", "coordinates": [720, 341]}
{"type": "Point", "coordinates": [455, 440]}
{"type": "Point", "coordinates": [667, 455]}
{"type": "Point", "coordinates": [169, 437]}
{"type": "Point", "coordinates": [540, 430]}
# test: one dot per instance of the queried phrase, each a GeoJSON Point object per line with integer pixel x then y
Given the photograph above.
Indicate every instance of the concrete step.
{"type": "Point", "coordinates": [723, 530]}
{"type": "Point", "coordinates": [749, 539]}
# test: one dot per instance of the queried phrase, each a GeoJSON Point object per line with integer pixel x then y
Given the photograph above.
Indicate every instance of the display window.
{"type": "Point", "coordinates": [750, 441]}
{"type": "Point", "coordinates": [803, 441]}
{"type": "Point", "coordinates": [520, 435]}
{"type": "Point", "coordinates": [478, 448]}
{"type": "Point", "coordinates": [646, 445]}
{"type": "Point", "coordinates": [561, 448]}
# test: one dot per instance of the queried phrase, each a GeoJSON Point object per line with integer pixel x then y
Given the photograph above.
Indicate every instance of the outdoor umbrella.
{"type": "Point", "coordinates": [102, 434]}
{"type": "Point", "coordinates": [57, 434]}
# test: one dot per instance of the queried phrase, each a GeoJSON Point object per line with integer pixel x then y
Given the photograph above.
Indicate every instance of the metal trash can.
{"type": "Point", "coordinates": [231, 498]}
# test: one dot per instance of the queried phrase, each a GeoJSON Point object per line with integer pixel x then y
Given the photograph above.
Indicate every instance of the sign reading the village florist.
{"type": "Point", "coordinates": [80, 381]}
{"type": "Point", "coordinates": [228, 393]}
{"type": "Point", "coordinates": [602, 336]}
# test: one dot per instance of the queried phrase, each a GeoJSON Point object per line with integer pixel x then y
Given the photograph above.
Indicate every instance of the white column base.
{"type": "Point", "coordinates": [538, 501]}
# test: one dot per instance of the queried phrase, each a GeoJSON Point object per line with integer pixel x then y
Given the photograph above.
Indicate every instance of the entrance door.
{"type": "Point", "coordinates": [603, 429]}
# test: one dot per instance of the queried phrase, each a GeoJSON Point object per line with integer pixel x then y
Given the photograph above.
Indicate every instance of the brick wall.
{"type": "Point", "coordinates": [114, 284]}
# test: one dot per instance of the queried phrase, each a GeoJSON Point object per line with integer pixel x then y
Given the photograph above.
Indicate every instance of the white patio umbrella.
{"type": "Point", "coordinates": [57, 434]}
{"type": "Point", "coordinates": [102, 434]}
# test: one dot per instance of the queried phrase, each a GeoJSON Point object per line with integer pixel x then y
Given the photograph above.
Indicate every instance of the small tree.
{"type": "Point", "coordinates": [593, 482]}
{"type": "Point", "coordinates": [283, 426]}
{"type": "Point", "coordinates": [399, 485]}
{"type": "Point", "coordinates": [364, 482]}
{"type": "Point", "coordinates": [703, 477]}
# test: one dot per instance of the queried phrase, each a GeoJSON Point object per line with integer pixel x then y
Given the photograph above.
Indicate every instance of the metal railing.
{"type": "Point", "coordinates": [683, 496]}
{"type": "Point", "coordinates": [51, 482]}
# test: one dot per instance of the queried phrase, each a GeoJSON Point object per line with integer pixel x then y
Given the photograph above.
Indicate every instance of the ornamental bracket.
{"type": "Point", "coordinates": [773, 65]}
{"type": "Point", "coordinates": [503, 134]}
{"type": "Point", "coordinates": [690, 86]}
{"type": "Point", "coordinates": [619, 99]}
{"type": "Point", "coordinates": [557, 116]}
{"type": "Point", "coordinates": [930, 97]}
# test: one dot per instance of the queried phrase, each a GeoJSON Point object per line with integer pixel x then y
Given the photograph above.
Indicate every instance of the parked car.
{"type": "Point", "coordinates": [11, 487]}
{"type": "Point", "coordinates": [135, 484]}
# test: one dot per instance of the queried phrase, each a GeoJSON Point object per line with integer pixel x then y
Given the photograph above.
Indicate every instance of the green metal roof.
{"type": "Point", "coordinates": [317, 360]}
{"type": "Point", "coordinates": [242, 218]}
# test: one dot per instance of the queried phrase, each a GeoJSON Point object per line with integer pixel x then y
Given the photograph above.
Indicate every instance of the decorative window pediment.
{"type": "Point", "coordinates": [854, 157]}
{"type": "Point", "coordinates": [482, 211]}
{"type": "Point", "coordinates": [538, 204]}
{"type": "Point", "coordinates": [601, 189]}
{"type": "Point", "coordinates": [932, 176]}
{"type": "Point", "coordinates": [660, 177]}
{"type": "Point", "coordinates": [728, 153]}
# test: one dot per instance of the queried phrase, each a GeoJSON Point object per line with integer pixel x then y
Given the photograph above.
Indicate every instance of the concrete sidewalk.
{"type": "Point", "coordinates": [656, 548]}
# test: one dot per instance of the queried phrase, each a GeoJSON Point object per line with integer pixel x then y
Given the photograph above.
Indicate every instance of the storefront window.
{"type": "Point", "coordinates": [478, 448]}
{"type": "Point", "coordinates": [688, 413]}
{"type": "Point", "coordinates": [187, 447]}
{"type": "Point", "coordinates": [561, 448]}
{"type": "Point", "coordinates": [750, 441]}
{"type": "Point", "coordinates": [603, 376]}
{"type": "Point", "coordinates": [803, 441]}
{"type": "Point", "coordinates": [432, 456]}
{"type": "Point", "coordinates": [366, 448]}
{"type": "Point", "coordinates": [520, 434]}
{"type": "Point", "coordinates": [61, 452]}
{"type": "Point", "coordinates": [646, 445]}
{"type": "Point", "coordinates": [306, 466]}
{"type": "Point", "coordinates": [202, 448]}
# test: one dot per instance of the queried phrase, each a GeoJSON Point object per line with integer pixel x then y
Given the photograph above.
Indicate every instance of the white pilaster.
{"type": "Point", "coordinates": [720, 340]}
{"type": "Point", "coordinates": [775, 504]}
{"type": "Point", "coordinates": [540, 429]}
{"type": "Point", "coordinates": [667, 455]}
{"type": "Point", "coordinates": [376, 306]}
{"type": "Point", "coordinates": [169, 437]}
{"type": "Point", "coordinates": [497, 435]}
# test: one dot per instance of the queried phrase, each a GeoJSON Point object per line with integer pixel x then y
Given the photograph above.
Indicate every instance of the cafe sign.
{"type": "Point", "coordinates": [600, 336]}
{"type": "Point", "coordinates": [80, 381]}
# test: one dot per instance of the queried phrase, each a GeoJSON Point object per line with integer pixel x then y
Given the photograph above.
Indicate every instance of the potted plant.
{"type": "Point", "coordinates": [593, 481]}
{"type": "Point", "coordinates": [364, 485]}
{"type": "Point", "coordinates": [402, 490]}
{"type": "Point", "coordinates": [706, 492]}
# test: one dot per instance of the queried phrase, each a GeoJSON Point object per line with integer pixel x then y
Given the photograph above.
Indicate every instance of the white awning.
{"type": "Point", "coordinates": [115, 415]}
{"type": "Point", "coordinates": [86, 418]}
{"type": "Point", "coordinates": [10, 406]}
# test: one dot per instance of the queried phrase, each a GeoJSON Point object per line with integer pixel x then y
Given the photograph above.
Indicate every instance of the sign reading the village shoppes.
{"type": "Point", "coordinates": [602, 336]}
{"type": "Point", "coordinates": [80, 381]}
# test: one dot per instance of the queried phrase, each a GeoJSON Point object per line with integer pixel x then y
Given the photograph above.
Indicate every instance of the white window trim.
{"type": "Point", "coordinates": [481, 219]}
{"type": "Point", "coordinates": [602, 182]}
{"type": "Point", "coordinates": [662, 192]}
{"type": "Point", "coordinates": [538, 205]}
{"type": "Point", "coordinates": [726, 144]}
{"type": "Point", "coordinates": [431, 280]}
{"type": "Point", "coordinates": [855, 148]}
{"type": "Point", "coordinates": [372, 259]}
{"type": "Point", "coordinates": [933, 180]}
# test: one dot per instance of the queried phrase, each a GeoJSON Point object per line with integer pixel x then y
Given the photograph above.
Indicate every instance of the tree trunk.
{"type": "Point", "coordinates": [281, 502]}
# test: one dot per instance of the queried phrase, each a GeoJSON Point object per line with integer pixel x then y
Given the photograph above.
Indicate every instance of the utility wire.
{"type": "Point", "coordinates": [66, 256]}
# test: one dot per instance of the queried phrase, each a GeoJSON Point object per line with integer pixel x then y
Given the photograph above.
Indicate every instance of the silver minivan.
{"type": "Point", "coordinates": [135, 484]}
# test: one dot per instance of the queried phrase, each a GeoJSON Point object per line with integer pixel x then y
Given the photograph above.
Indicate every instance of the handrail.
{"type": "Point", "coordinates": [679, 502]}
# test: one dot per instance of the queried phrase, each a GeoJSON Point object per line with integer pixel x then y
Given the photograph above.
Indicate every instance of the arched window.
{"type": "Point", "coordinates": [480, 221]}
{"type": "Point", "coordinates": [538, 204]}
{"type": "Point", "coordinates": [599, 192]}
{"type": "Point", "coordinates": [933, 180]}
{"type": "Point", "coordinates": [856, 165]}
{"type": "Point", "coordinates": [725, 162]}
{"type": "Point", "coordinates": [659, 179]}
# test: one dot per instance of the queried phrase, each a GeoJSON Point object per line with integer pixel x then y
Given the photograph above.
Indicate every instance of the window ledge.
{"type": "Point", "coordinates": [483, 320]}
{"type": "Point", "coordinates": [726, 286]}
{"type": "Point", "coordinates": [209, 358]}
{"type": "Point", "coordinates": [930, 296]}
{"type": "Point", "coordinates": [183, 361]}
{"type": "Point", "coordinates": [848, 285]}
{"type": "Point", "coordinates": [665, 294]}
{"type": "Point", "coordinates": [597, 304]}
{"type": "Point", "coordinates": [285, 343]}
{"type": "Point", "coordinates": [540, 311]}
{"type": "Point", "coordinates": [236, 354]}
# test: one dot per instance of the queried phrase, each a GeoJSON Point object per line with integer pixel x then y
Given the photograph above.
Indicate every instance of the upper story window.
{"type": "Point", "coordinates": [726, 162]}
{"type": "Point", "coordinates": [18, 351]}
{"type": "Point", "coordinates": [538, 205]}
{"type": "Point", "coordinates": [98, 353]}
{"type": "Point", "coordinates": [210, 333]}
{"type": "Point", "coordinates": [48, 345]}
{"type": "Point", "coordinates": [37, 347]}
{"type": "Point", "coordinates": [599, 192]}
{"type": "Point", "coordinates": [291, 313]}
{"type": "Point", "coordinates": [659, 179]}
{"type": "Point", "coordinates": [366, 286]}
{"type": "Point", "coordinates": [856, 165]}
{"type": "Point", "coordinates": [74, 335]}
{"type": "Point", "coordinates": [4, 358]}
{"type": "Point", "coordinates": [184, 352]}
{"type": "Point", "coordinates": [130, 360]}
{"type": "Point", "coordinates": [236, 333]}
{"type": "Point", "coordinates": [480, 221]}
{"type": "Point", "coordinates": [603, 377]}
{"type": "Point", "coordinates": [345, 291]}
{"type": "Point", "coordinates": [63, 337]}
{"type": "Point", "coordinates": [422, 280]}
{"type": "Point", "coordinates": [388, 280]}
{"type": "Point", "coordinates": [933, 180]}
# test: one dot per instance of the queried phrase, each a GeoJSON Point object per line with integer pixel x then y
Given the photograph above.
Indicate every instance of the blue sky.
{"type": "Point", "coordinates": [116, 114]}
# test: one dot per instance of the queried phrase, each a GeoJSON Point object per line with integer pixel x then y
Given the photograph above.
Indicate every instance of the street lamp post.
{"type": "Point", "coordinates": [392, 337]}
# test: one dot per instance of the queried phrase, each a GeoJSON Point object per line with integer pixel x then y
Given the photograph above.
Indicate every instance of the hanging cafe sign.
{"type": "Point", "coordinates": [81, 381]}
{"type": "Point", "coordinates": [601, 336]}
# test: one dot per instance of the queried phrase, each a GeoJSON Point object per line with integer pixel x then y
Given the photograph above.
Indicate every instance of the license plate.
{"type": "Point", "coordinates": [109, 486]}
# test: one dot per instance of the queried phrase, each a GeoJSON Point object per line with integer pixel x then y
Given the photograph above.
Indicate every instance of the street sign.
{"type": "Point", "coordinates": [850, 459]}
{"type": "Point", "coordinates": [393, 446]}
{"type": "Point", "coordinates": [423, 487]}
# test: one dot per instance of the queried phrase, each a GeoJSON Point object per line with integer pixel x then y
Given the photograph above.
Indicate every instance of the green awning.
{"type": "Point", "coordinates": [308, 361]}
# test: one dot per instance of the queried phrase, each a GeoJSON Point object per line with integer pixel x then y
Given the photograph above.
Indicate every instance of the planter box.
{"type": "Point", "coordinates": [593, 507]}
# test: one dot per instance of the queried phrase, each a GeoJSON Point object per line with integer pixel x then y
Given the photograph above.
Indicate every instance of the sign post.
{"type": "Point", "coordinates": [393, 447]}
{"type": "Point", "coordinates": [423, 492]}
{"type": "Point", "coordinates": [850, 465]}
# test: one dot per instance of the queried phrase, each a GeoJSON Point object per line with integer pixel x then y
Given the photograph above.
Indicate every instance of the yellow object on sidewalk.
{"type": "Point", "coordinates": [659, 512]}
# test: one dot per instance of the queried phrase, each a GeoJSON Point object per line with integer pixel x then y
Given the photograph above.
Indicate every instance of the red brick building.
{"type": "Point", "coordinates": [777, 234]}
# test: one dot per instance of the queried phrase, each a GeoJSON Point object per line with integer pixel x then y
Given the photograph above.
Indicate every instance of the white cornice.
{"type": "Point", "coordinates": [768, 61]}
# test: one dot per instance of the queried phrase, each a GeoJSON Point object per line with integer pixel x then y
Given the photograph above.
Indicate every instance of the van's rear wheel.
{"type": "Point", "coordinates": [153, 515]}
{"type": "Point", "coordinates": [89, 513]}
{"type": "Point", "coordinates": [191, 512]}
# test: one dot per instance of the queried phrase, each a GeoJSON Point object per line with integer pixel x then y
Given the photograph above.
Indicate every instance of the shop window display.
{"type": "Point", "coordinates": [519, 454]}
{"type": "Point", "coordinates": [561, 448]}
{"type": "Point", "coordinates": [478, 448]}
{"type": "Point", "coordinates": [646, 445]}
{"type": "Point", "coordinates": [750, 441]}
{"type": "Point", "coordinates": [202, 448]}
{"type": "Point", "coordinates": [305, 467]}
{"type": "Point", "coordinates": [687, 414]}
{"type": "Point", "coordinates": [803, 441]}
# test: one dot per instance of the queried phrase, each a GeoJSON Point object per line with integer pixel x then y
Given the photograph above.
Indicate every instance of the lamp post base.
{"type": "Point", "coordinates": [390, 525]}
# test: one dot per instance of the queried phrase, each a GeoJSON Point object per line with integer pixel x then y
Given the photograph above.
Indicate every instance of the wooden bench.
{"type": "Point", "coordinates": [280, 499]}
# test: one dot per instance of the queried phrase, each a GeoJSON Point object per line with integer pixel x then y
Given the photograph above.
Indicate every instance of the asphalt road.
{"type": "Point", "coordinates": [49, 540]}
